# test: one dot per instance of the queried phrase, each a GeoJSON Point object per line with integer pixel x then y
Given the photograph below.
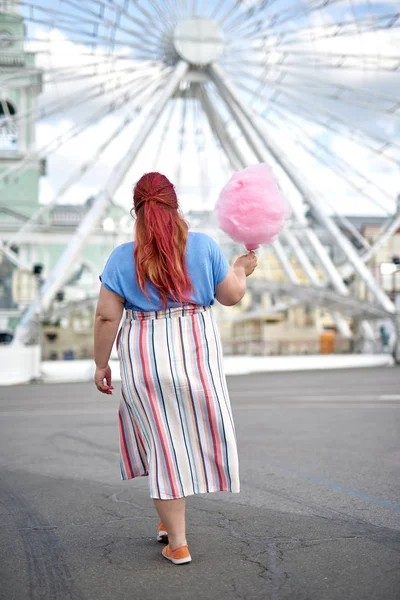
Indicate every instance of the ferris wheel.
{"type": "Point", "coordinates": [198, 88]}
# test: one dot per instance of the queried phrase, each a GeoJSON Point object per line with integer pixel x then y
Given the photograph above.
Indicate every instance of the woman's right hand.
{"type": "Point", "coordinates": [248, 262]}
{"type": "Point", "coordinates": [103, 375]}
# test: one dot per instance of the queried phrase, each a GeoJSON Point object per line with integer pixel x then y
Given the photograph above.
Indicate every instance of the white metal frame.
{"type": "Point", "coordinates": [252, 34]}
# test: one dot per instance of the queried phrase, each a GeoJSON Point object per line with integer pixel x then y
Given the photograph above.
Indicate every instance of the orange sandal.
{"type": "Point", "coordinates": [179, 556]}
{"type": "Point", "coordinates": [162, 535]}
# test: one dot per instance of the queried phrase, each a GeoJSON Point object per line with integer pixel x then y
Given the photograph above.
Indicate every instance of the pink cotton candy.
{"type": "Point", "coordinates": [250, 208]}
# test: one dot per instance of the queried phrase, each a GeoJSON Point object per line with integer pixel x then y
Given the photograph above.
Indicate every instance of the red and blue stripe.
{"type": "Point", "coordinates": [175, 419]}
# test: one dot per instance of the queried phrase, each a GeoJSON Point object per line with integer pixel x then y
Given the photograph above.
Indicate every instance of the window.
{"type": "Point", "coordinates": [8, 127]}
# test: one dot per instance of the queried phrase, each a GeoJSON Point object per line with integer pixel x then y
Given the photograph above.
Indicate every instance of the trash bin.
{"type": "Point", "coordinates": [327, 342]}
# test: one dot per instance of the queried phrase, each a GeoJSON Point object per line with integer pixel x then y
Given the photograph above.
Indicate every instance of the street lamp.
{"type": "Point", "coordinates": [396, 300]}
{"type": "Point", "coordinates": [396, 269]}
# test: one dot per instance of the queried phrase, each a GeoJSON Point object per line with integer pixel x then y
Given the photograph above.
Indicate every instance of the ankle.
{"type": "Point", "coordinates": [177, 542]}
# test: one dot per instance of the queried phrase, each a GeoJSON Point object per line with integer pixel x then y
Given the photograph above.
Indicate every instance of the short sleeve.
{"type": "Point", "coordinates": [220, 265]}
{"type": "Point", "coordinates": [110, 276]}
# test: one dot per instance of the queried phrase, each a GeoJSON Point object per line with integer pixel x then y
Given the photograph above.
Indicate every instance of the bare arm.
{"type": "Point", "coordinates": [108, 317]}
{"type": "Point", "coordinates": [232, 289]}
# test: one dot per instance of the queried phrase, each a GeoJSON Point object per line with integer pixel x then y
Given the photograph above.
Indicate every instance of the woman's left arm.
{"type": "Point", "coordinates": [108, 317]}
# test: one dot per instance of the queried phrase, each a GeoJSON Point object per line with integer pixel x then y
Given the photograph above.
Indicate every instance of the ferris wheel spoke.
{"type": "Point", "coordinates": [113, 26]}
{"type": "Point", "coordinates": [301, 138]}
{"type": "Point", "coordinates": [169, 119]}
{"type": "Point", "coordinates": [199, 141]}
{"type": "Point", "coordinates": [163, 11]}
{"type": "Point", "coordinates": [320, 32]}
{"type": "Point", "coordinates": [181, 135]}
{"type": "Point", "coordinates": [346, 224]}
{"type": "Point", "coordinates": [98, 90]}
{"type": "Point", "coordinates": [87, 40]}
{"type": "Point", "coordinates": [78, 74]}
{"type": "Point", "coordinates": [141, 95]}
{"type": "Point", "coordinates": [201, 136]}
{"type": "Point", "coordinates": [176, 12]}
{"type": "Point", "coordinates": [380, 149]}
{"type": "Point", "coordinates": [194, 8]}
{"type": "Point", "coordinates": [251, 15]}
{"type": "Point", "coordinates": [338, 168]}
{"type": "Point", "coordinates": [64, 21]}
{"type": "Point", "coordinates": [182, 8]}
{"type": "Point", "coordinates": [107, 60]}
{"type": "Point", "coordinates": [59, 274]}
{"type": "Point", "coordinates": [205, 148]}
{"type": "Point", "coordinates": [220, 131]}
{"type": "Point", "coordinates": [84, 95]}
{"type": "Point", "coordinates": [65, 26]}
{"type": "Point", "coordinates": [91, 17]}
{"type": "Point", "coordinates": [206, 8]}
{"type": "Point", "coordinates": [273, 20]}
{"type": "Point", "coordinates": [123, 12]}
{"type": "Point", "coordinates": [337, 60]}
{"type": "Point", "coordinates": [218, 5]}
{"type": "Point", "coordinates": [322, 110]}
{"type": "Point", "coordinates": [361, 100]}
{"type": "Point", "coordinates": [365, 136]}
{"type": "Point", "coordinates": [331, 90]}
{"type": "Point", "coordinates": [257, 135]}
{"type": "Point", "coordinates": [308, 61]}
{"type": "Point", "coordinates": [151, 23]}
{"type": "Point", "coordinates": [139, 6]}
{"type": "Point", "coordinates": [110, 107]}
{"type": "Point", "coordinates": [314, 55]}
{"type": "Point", "coordinates": [275, 38]}
{"type": "Point", "coordinates": [101, 89]}
{"type": "Point", "coordinates": [230, 11]}
{"type": "Point", "coordinates": [85, 167]}
{"type": "Point", "coordinates": [351, 228]}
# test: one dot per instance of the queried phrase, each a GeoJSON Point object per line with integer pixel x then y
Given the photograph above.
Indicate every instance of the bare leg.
{"type": "Point", "coordinates": [172, 515]}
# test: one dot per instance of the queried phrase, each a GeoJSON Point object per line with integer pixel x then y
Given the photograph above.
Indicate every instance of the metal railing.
{"type": "Point", "coordinates": [282, 347]}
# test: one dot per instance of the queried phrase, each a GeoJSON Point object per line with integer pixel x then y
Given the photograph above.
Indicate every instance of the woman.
{"type": "Point", "coordinates": [175, 419]}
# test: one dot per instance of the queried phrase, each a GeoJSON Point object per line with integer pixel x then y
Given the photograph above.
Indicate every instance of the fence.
{"type": "Point", "coordinates": [282, 347]}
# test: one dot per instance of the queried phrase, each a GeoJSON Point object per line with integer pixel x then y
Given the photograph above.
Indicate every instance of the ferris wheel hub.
{"type": "Point", "coordinates": [198, 41]}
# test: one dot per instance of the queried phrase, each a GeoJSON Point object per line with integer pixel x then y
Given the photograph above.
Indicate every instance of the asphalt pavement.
{"type": "Point", "coordinates": [318, 517]}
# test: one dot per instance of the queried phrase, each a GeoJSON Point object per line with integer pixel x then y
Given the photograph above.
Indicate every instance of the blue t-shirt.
{"type": "Point", "coordinates": [206, 265]}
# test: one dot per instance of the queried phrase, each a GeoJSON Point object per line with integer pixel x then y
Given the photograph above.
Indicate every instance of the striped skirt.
{"type": "Point", "coordinates": [175, 418]}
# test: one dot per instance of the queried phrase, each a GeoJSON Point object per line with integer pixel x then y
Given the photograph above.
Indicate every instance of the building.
{"type": "Point", "coordinates": [29, 254]}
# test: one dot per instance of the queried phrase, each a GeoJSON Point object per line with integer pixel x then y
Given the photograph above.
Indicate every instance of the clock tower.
{"type": "Point", "coordinates": [20, 84]}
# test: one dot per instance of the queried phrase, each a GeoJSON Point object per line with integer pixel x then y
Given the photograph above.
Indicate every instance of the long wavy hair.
{"type": "Point", "coordinates": [161, 237]}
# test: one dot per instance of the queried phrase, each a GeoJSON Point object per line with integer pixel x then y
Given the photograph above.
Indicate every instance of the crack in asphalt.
{"type": "Point", "coordinates": [267, 558]}
{"type": "Point", "coordinates": [114, 498]}
{"type": "Point", "coordinates": [385, 535]}
{"type": "Point", "coordinates": [277, 577]}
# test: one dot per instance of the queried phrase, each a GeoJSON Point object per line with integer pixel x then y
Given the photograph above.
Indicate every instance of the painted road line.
{"type": "Point", "coordinates": [338, 487]}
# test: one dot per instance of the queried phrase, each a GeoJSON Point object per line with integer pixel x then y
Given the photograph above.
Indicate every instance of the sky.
{"type": "Point", "coordinates": [296, 100]}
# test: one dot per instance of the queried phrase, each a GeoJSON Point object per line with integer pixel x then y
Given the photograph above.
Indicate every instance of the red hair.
{"type": "Point", "coordinates": [161, 237]}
